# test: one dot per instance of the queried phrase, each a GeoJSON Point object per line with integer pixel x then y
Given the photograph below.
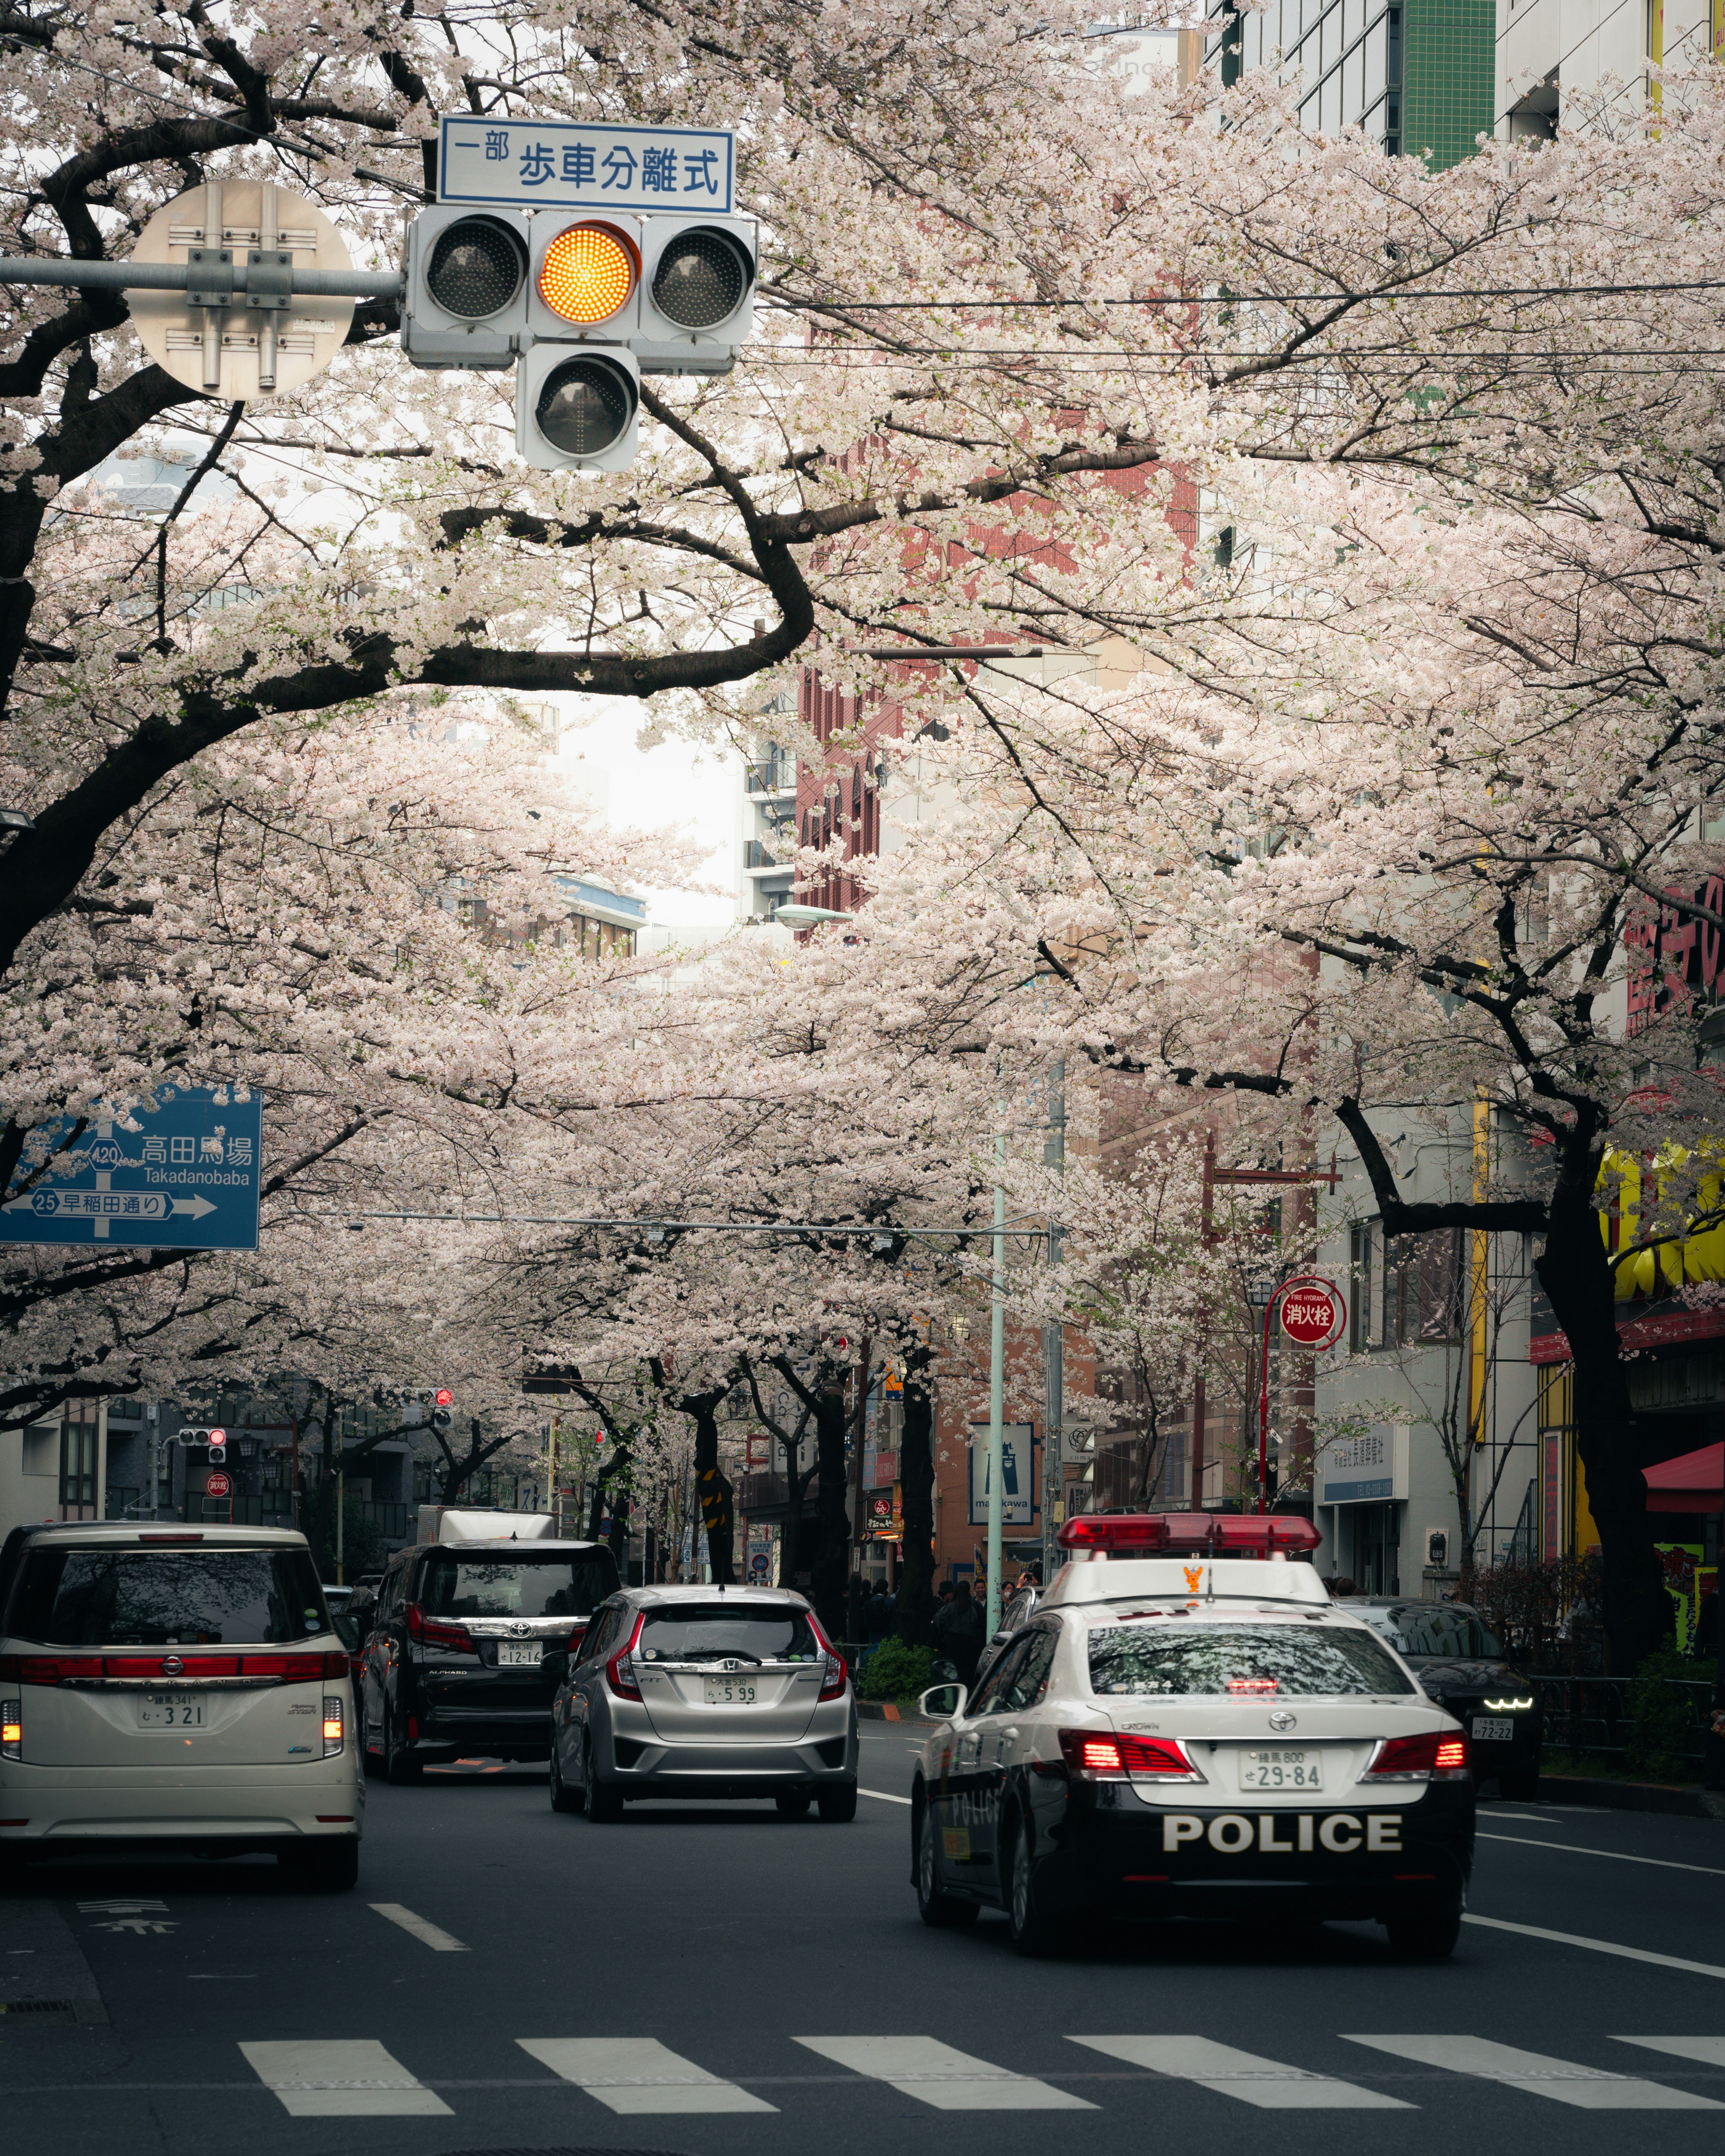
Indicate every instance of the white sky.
{"type": "Point", "coordinates": [673, 784]}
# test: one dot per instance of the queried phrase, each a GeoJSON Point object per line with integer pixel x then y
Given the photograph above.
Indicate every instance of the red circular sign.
{"type": "Point", "coordinates": [1313, 1313]}
{"type": "Point", "coordinates": [218, 1484]}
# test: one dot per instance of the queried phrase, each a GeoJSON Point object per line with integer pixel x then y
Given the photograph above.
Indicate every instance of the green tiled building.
{"type": "Point", "coordinates": [1418, 74]}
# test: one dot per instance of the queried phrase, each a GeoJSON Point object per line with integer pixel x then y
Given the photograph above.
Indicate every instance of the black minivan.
{"type": "Point", "coordinates": [469, 1642]}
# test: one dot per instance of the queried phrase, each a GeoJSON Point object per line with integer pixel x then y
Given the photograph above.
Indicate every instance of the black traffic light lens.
{"type": "Point", "coordinates": [701, 277]}
{"type": "Point", "coordinates": [477, 267]}
{"type": "Point", "coordinates": [584, 406]}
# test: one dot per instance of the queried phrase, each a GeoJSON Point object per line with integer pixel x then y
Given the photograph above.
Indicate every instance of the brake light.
{"type": "Point", "coordinates": [576, 1638]}
{"type": "Point", "coordinates": [1098, 1756]}
{"type": "Point", "coordinates": [1218, 1534]}
{"type": "Point", "coordinates": [1432, 1757]}
{"type": "Point", "coordinates": [59, 1669]}
{"type": "Point", "coordinates": [1252, 1686]}
{"type": "Point", "coordinates": [835, 1672]}
{"type": "Point", "coordinates": [620, 1671]}
{"type": "Point", "coordinates": [175, 1539]}
{"type": "Point", "coordinates": [432, 1632]}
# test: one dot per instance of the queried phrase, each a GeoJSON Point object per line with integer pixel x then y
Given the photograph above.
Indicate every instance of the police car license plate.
{"type": "Point", "coordinates": [518, 1654]}
{"type": "Point", "coordinates": [1282, 1769]}
{"type": "Point", "coordinates": [1492, 1729]}
{"type": "Point", "coordinates": [728, 1691]}
{"type": "Point", "coordinates": [170, 1710]}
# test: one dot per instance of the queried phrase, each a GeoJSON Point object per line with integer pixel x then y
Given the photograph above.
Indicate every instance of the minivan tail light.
{"type": "Point", "coordinates": [620, 1671]}
{"type": "Point", "coordinates": [432, 1632]}
{"type": "Point", "coordinates": [575, 1639]}
{"type": "Point", "coordinates": [59, 1669]}
{"type": "Point", "coordinates": [1433, 1756]}
{"type": "Point", "coordinates": [1101, 1756]}
{"type": "Point", "coordinates": [332, 1724]}
{"type": "Point", "coordinates": [12, 1729]}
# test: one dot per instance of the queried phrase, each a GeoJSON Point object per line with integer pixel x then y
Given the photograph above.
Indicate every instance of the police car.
{"type": "Point", "coordinates": [1188, 1727]}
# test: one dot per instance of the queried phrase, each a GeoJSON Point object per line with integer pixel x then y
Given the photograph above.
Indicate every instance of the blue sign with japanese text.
{"type": "Point", "coordinates": [566, 164]}
{"type": "Point", "coordinates": [179, 1172]}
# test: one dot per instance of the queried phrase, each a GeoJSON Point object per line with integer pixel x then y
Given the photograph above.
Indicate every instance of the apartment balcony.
{"type": "Point", "coordinates": [757, 861]}
{"type": "Point", "coordinates": [775, 776]}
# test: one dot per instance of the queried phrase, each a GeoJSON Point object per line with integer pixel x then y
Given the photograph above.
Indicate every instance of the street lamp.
{"type": "Point", "coordinates": [809, 916]}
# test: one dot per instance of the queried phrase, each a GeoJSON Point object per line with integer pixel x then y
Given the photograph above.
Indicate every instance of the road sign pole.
{"type": "Point", "coordinates": [997, 1384]}
{"type": "Point", "coordinates": [1320, 1320]}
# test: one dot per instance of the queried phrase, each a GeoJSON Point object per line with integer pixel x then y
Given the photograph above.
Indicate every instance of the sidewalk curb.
{"type": "Point", "coordinates": [1633, 1796]}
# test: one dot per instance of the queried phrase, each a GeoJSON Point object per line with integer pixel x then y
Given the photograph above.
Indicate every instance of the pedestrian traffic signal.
{"type": "Point", "coordinates": [576, 408]}
{"type": "Point", "coordinates": [466, 296]}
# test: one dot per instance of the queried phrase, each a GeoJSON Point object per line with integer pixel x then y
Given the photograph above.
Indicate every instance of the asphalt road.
{"type": "Point", "coordinates": [723, 1971]}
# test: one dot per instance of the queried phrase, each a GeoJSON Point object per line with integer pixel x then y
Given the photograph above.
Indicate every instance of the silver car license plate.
{"type": "Point", "coordinates": [1283, 1768]}
{"type": "Point", "coordinates": [1492, 1729]}
{"type": "Point", "coordinates": [728, 1691]}
{"type": "Point", "coordinates": [518, 1655]}
{"type": "Point", "coordinates": [170, 1710]}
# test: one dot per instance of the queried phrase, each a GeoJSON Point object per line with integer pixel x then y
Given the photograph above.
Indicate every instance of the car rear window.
{"type": "Point", "coordinates": [554, 1585]}
{"type": "Point", "coordinates": [698, 1633]}
{"type": "Point", "coordinates": [143, 1598]}
{"type": "Point", "coordinates": [1456, 1636]}
{"type": "Point", "coordinates": [1246, 1661]}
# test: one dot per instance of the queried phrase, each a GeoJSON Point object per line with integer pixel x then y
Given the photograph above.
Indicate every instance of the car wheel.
{"type": "Point", "coordinates": [838, 1805]}
{"type": "Point", "coordinates": [328, 1867]}
{"type": "Point", "coordinates": [1031, 1930]}
{"type": "Point", "coordinates": [563, 1797]}
{"type": "Point", "coordinates": [1519, 1788]}
{"type": "Point", "coordinates": [1425, 1934]}
{"type": "Point", "coordinates": [600, 1802]}
{"type": "Point", "coordinates": [793, 1807]}
{"type": "Point", "coordinates": [943, 1912]}
{"type": "Point", "coordinates": [399, 1766]}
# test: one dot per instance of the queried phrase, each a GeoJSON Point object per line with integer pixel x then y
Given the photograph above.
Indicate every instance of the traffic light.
{"type": "Point", "coordinates": [697, 293]}
{"type": "Point", "coordinates": [216, 1440]}
{"type": "Point", "coordinates": [576, 408]}
{"type": "Point", "coordinates": [466, 303]}
{"type": "Point", "coordinates": [443, 1410]}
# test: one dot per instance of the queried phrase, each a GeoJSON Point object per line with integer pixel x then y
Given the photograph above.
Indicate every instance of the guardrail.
{"type": "Point", "coordinates": [1590, 1717]}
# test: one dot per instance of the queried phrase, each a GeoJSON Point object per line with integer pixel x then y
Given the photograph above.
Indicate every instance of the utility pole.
{"type": "Point", "coordinates": [997, 1379]}
{"type": "Point", "coordinates": [1053, 1341]}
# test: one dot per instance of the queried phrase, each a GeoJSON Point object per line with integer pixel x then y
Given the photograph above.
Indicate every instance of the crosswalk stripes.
{"type": "Point", "coordinates": [944, 2079]}
{"type": "Point", "coordinates": [636, 2074]}
{"type": "Point", "coordinates": [1266, 2083]}
{"type": "Point", "coordinates": [1705, 2051]}
{"type": "Point", "coordinates": [1589, 2088]}
{"type": "Point", "coordinates": [351, 2078]}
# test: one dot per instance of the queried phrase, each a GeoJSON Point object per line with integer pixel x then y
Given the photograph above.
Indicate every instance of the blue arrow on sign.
{"type": "Point", "coordinates": [180, 1172]}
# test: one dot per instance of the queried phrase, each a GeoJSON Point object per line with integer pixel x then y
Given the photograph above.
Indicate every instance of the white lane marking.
{"type": "Point", "coordinates": [636, 2074]}
{"type": "Point", "coordinates": [886, 1796]}
{"type": "Point", "coordinates": [1546, 1818]}
{"type": "Point", "coordinates": [122, 1908]}
{"type": "Point", "coordinates": [1705, 2051]}
{"type": "Point", "coordinates": [938, 2076]}
{"type": "Point", "coordinates": [1622, 1856]}
{"type": "Point", "coordinates": [1266, 2083]}
{"type": "Point", "coordinates": [1587, 2088]}
{"type": "Point", "coordinates": [351, 2078]}
{"type": "Point", "coordinates": [1598, 1946]}
{"type": "Point", "coordinates": [431, 1935]}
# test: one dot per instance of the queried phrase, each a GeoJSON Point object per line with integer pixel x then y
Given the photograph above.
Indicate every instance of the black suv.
{"type": "Point", "coordinates": [468, 1643]}
{"type": "Point", "coordinates": [1459, 1661]}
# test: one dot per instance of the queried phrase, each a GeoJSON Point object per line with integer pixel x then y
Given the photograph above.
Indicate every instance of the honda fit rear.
{"type": "Point", "coordinates": [175, 1689]}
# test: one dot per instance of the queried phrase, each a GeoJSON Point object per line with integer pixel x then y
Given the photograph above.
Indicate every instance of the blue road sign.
{"type": "Point", "coordinates": [179, 1173]}
{"type": "Point", "coordinates": [567, 164]}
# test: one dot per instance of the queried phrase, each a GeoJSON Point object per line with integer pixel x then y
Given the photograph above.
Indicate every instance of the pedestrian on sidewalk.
{"type": "Point", "coordinates": [958, 1632]}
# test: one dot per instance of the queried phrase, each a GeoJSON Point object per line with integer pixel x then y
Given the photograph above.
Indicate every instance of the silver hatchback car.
{"type": "Point", "coordinates": [705, 1691]}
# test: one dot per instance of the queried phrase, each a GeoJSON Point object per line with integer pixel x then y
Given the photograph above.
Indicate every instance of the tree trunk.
{"type": "Point", "coordinates": [718, 1499]}
{"type": "Point", "coordinates": [915, 1612]}
{"type": "Point", "coordinates": [1577, 1277]}
{"type": "Point", "coordinates": [832, 1532]}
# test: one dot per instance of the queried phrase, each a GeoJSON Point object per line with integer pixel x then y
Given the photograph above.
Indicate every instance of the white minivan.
{"type": "Point", "coordinates": [174, 1689]}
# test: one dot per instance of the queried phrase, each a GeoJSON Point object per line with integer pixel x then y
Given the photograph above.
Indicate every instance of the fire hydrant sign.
{"type": "Point", "coordinates": [179, 1172]}
{"type": "Point", "coordinates": [566, 164]}
{"type": "Point", "coordinates": [1313, 1313]}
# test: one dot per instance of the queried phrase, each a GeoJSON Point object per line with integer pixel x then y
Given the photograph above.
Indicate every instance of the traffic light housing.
{"type": "Point", "coordinates": [466, 302]}
{"type": "Point", "coordinates": [576, 408]}
{"type": "Point", "coordinates": [697, 304]}
{"type": "Point", "coordinates": [215, 1439]}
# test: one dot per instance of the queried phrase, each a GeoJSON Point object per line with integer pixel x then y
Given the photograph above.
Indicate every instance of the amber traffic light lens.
{"type": "Point", "coordinates": [587, 274]}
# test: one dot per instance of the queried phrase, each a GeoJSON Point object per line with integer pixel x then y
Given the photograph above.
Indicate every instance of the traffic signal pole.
{"type": "Point", "coordinates": [260, 279]}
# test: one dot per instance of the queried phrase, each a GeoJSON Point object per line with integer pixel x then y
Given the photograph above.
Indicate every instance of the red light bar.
{"type": "Point", "coordinates": [1217, 1534]}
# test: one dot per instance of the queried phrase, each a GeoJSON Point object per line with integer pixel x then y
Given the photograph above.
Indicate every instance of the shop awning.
{"type": "Point", "coordinates": [1695, 1482]}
